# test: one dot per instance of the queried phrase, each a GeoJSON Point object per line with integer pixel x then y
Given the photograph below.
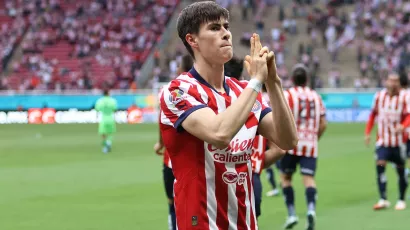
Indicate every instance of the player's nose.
{"type": "Point", "coordinates": [226, 34]}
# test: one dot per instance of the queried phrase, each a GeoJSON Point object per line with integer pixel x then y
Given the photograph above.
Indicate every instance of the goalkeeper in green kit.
{"type": "Point", "coordinates": [106, 128]}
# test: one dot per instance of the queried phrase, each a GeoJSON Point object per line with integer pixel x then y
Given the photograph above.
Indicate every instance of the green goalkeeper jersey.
{"type": "Point", "coordinates": [107, 107]}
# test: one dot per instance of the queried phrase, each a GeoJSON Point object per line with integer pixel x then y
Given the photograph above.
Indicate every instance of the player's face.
{"type": "Point", "coordinates": [214, 41]}
{"type": "Point", "coordinates": [393, 83]}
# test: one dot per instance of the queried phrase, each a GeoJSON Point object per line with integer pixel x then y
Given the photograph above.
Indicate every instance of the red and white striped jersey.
{"type": "Point", "coordinates": [258, 153]}
{"type": "Point", "coordinates": [213, 188]}
{"type": "Point", "coordinates": [390, 112]}
{"type": "Point", "coordinates": [307, 108]}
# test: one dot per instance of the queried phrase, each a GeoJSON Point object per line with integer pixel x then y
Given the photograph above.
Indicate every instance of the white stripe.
{"type": "Point", "coordinates": [232, 199]}
{"type": "Point", "coordinates": [164, 119]}
{"type": "Point", "coordinates": [247, 201]}
{"type": "Point", "coordinates": [210, 188]}
{"type": "Point", "coordinates": [318, 115]}
{"type": "Point", "coordinates": [385, 123]}
{"type": "Point", "coordinates": [394, 103]}
{"type": "Point", "coordinates": [201, 90]}
{"type": "Point", "coordinates": [220, 101]}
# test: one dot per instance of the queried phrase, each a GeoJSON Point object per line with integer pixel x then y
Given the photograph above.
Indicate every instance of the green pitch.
{"type": "Point", "coordinates": [54, 177]}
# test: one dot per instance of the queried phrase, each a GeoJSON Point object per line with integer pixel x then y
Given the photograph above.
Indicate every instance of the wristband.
{"type": "Point", "coordinates": [255, 85]}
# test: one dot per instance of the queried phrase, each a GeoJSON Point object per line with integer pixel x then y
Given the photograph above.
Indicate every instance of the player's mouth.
{"type": "Point", "coordinates": [226, 45]}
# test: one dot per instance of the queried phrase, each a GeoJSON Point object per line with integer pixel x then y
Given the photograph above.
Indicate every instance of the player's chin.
{"type": "Point", "coordinates": [226, 56]}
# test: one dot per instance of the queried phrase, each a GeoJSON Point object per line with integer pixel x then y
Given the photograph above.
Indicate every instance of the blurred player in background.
{"type": "Point", "coordinates": [168, 175]}
{"type": "Point", "coordinates": [391, 107]}
{"type": "Point", "coordinates": [309, 114]}
{"type": "Point", "coordinates": [209, 122]}
{"type": "Point", "coordinates": [404, 83]}
{"type": "Point", "coordinates": [107, 106]}
{"type": "Point", "coordinates": [270, 174]}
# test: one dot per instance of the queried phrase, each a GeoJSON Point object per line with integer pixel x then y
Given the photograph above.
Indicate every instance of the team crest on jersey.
{"type": "Point", "coordinates": [233, 177]}
{"type": "Point", "coordinates": [257, 106]}
{"type": "Point", "coordinates": [176, 96]}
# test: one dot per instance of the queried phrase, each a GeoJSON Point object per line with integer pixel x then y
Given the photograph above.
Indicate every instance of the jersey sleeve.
{"type": "Point", "coordinates": [289, 99]}
{"type": "Point", "coordinates": [375, 103]}
{"type": "Point", "coordinates": [265, 106]}
{"type": "Point", "coordinates": [98, 105]}
{"type": "Point", "coordinates": [178, 101]}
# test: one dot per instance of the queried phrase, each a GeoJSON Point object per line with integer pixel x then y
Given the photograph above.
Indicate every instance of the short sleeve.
{"type": "Point", "coordinates": [265, 107]}
{"type": "Point", "coordinates": [375, 103]}
{"type": "Point", "coordinates": [178, 101]}
{"type": "Point", "coordinates": [98, 105]}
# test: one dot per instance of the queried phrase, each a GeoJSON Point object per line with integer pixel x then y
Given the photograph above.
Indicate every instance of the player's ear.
{"type": "Point", "coordinates": [192, 40]}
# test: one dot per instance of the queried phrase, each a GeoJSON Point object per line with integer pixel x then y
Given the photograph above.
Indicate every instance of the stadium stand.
{"type": "Point", "coordinates": [89, 44]}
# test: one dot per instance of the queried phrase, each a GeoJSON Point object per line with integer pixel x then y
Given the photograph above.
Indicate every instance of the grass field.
{"type": "Point", "coordinates": [54, 177]}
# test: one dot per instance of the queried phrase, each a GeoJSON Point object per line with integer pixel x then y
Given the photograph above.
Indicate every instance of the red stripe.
{"type": "Point", "coordinates": [304, 150]}
{"type": "Point", "coordinates": [211, 99]}
{"type": "Point", "coordinates": [241, 195]}
{"type": "Point", "coordinates": [221, 194]}
{"type": "Point", "coordinates": [312, 151]}
{"type": "Point", "coordinates": [290, 101]}
{"type": "Point", "coordinates": [234, 88]}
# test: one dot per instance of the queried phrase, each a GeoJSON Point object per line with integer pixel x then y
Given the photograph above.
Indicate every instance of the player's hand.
{"type": "Point", "coordinates": [399, 128]}
{"type": "Point", "coordinates": [272, 71]}
{"type": "Point", "coordinates": [367, 140]}
{"type": "Point", "coordinates": [159, 148]}
{"type": "Point", "coordinates": [255, 63]}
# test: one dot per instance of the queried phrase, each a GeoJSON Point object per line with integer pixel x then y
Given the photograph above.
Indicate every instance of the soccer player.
{"type": "Point", "coordinates": [209, 122]}
{"type": "Point", "coordinates": [107, 106]}
{"type": "Point", "coordinates": [309, 114]}
{"type": "Point", "coordinates": [391, 107]}
{"type": "Point", "coordinates": [168, 175]}
{"type": "Point", "coordinates": [404, 84]}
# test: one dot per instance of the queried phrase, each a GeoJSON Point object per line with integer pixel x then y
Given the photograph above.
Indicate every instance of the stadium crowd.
{"type": "Point", "coordinates": [118, 34]}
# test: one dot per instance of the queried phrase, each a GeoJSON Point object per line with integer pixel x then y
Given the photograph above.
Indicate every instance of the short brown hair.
{"type": "Point", "coordinates": [193, 16]}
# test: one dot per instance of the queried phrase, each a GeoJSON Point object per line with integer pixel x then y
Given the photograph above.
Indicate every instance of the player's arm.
{"type": "Point", "coordinates": [372, 117]}
{"type": "Point", "coordinates": [273, 154]}
{"type": "Point", "coordinates": [322, 121]}
{"type": "Point", "coordinates": [219, 129]}
{"type": "Point", "coordinates": [159, 146]}
{"type": "Point", "coordinates": [322, 126]}
{"type": "Point", "coordinates": [278, 126]}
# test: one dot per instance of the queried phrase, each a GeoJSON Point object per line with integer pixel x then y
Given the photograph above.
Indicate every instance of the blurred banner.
{"type": "Point", "coordinates": [343, 105]}
{"type": "Point", "coordinates": [50, 116]}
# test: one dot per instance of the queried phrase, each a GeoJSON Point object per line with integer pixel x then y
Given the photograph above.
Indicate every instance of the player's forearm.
{"type": "Point", "coordinates": [273, 154]}
{"type": "Point", "coordinates": [283, 123]}
{"type": "Point", "coordinates": [370, 123]}
{"type": "Point", "coordinates": [228, 123]}
{"type": "Point", "coordinates": [322, 127]}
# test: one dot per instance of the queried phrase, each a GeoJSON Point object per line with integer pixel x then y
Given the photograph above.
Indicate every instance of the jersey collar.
{"type": "Point", "coordinates": [198, 77]}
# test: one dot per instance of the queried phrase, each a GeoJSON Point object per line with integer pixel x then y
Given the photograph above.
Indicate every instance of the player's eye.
{"type": "Point", "coordinates": [215, 28]}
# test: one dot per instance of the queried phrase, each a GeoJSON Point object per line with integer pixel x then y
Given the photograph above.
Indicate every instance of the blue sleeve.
{"type": "Point", "coordinates": [264, 112]}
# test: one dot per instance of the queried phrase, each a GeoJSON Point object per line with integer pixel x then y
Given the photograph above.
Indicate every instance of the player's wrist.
{"type": "Point", "coordinates": [255, 84]}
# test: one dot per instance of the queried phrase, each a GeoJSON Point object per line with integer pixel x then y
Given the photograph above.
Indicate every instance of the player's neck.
{"type": "Point", "coordinates": [393, 92]}
{"type": "Point", "coordinates": [211, 73]}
